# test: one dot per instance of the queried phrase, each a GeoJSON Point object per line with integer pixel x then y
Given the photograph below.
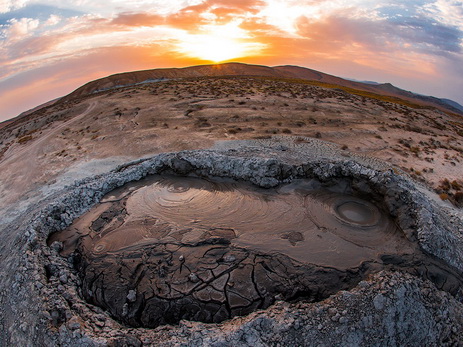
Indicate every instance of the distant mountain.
{"type": "Point", "coordinates": [453, 104]}
{"type": "Point", "coordinates": [28, 112]}
{"type": "Point", "coordinates": [431, 100]}
{"type": "Point", "coordinates": [48, 103]}
{"type": "Point", "coordinates": [366, 82]}
{"type": "Point", "coordinates": [392, 89]}
{"type": "Point", "coordinates": [240, 69]}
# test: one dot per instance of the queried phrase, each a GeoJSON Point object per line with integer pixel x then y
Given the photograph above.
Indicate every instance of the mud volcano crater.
{"type": "Point", "coordinates": [183, 243]}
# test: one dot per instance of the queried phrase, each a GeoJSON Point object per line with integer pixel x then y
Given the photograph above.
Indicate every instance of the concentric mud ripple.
{"type": "Point", "coordinates": [169, 248]}
{"type": "Point", "coordinates": [357, 213]}
{"type": "Point", "coordinates": [311, 226]}
{"type": "Point", "coordinates": [355, 220]}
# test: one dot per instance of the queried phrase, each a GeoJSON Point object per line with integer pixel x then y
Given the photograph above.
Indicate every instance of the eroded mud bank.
{"type": "Point", "coordinates": [433, 248]}
{"type": "Point", "coordinates": [169, 248]}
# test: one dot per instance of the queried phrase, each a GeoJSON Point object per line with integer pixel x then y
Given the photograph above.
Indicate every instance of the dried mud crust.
{"type": "Point", "coordinates": [206, 283]}
{"type": "Point", "coordinates": [43, 288]}
{"type": "Point", "coordinates": [163, 284]}
{"type": "Point", "coordinates": [146, 271]}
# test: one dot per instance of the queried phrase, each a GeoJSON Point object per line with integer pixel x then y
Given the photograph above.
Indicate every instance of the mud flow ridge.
{"type": "Point", "coordinates": [168, 248]}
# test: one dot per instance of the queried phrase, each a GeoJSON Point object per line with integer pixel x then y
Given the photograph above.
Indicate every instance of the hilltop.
{"type": "Point", "coordinates": [263, 127]}
{"type": "Point", "coordinates": [192, 107]}
{"type": "Point", "coordinates": [288, 72]}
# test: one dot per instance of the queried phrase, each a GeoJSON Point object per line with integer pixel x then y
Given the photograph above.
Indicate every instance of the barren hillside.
{"type": "Point", "coordinates": [253, 206]}
{"type": "Point", "coordinates": [189, 113]}
{"type": "Point", "coordinates": [238, 69]}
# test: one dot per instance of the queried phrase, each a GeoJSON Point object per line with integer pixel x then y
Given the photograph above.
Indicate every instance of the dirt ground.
{"type": "Point", "coordinates": [52, 147]}
{"type": "Point", "coordinates": [174, 115]}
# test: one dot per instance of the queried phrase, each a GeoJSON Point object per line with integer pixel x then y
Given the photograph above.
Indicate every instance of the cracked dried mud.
{"type": "Point", "coordinates": [169, 248]}
{"type": "Point", "coordinates": [231, 211]}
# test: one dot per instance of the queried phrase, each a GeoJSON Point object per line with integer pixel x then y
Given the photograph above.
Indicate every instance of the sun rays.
{"type": "Point", "coordinates": [218, 43]}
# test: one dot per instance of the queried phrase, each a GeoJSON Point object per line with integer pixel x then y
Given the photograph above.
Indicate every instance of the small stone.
{"type": "Point", "coordinates": [23, 327]}
{"type": "Point", "coordinates": [367, 321]}
{"type": "Point", "coordinates": [125, 309]}
{"type": "Point", "coordinates": [73, 323]}
{"type": "Point", "coordinates": [57, 246]}
{"type": "Point", "coordinates": [229, 258]}
{"type": "Point", "coordinates": [363, 284]}
{"type": "Point", "coordinates": [320, 327]}
{"type": "Point", "coordinates": [379, 301]}
{"type": "Point", "coordinates": [63, 331]}
{"type": "Point", "coordinates": [46, 315]}
{"type": "Point", "coordinates": [181, 258]}
{"type": "Point", "coordinates": [63, 278]}
{"type": "Point", "coordinates": [193, 277]}
{"type": "Point", "coordinates": [332, 311]}
{"type": "Point", "coordinates": [132, 296]}
{"type": "Point", "coordinates": [343, 320]}
{"type": "Point", "coordinates": [346, 295]}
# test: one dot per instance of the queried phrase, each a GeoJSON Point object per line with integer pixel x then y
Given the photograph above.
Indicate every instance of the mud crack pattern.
{"type": "Point", "coordinates": [165, 283]}
{"type": "Point", "coordinates": [169, 248]}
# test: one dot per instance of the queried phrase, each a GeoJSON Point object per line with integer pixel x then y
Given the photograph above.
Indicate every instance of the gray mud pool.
{"type": "Point", "coordinates": [169, 247]}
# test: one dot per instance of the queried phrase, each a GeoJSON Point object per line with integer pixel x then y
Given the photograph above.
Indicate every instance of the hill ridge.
{"type": "Point", "coordinates": [241, 69]}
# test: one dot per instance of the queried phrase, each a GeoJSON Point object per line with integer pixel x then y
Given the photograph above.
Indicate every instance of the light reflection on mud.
{"type": "Point", "coordinates": [169, 248]}
{"type": "Point", "coordinates": [309, 225]}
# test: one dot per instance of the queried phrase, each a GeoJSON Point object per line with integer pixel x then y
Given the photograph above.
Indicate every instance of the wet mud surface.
{"type": "Point", "coordinates": [168, 248]}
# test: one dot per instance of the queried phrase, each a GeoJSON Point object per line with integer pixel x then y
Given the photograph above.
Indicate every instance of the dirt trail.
{"type": "Point", "coordinates": [23, 166]}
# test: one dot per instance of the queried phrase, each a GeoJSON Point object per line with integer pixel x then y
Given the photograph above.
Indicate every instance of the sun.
{"type": "Point", "coordinates": [219, 43]}
{"type": "Point", "coordinates": [213, 48]}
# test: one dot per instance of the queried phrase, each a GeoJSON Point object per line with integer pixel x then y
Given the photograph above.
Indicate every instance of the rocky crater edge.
{"type": "Point", "coordinates": [45, 308]}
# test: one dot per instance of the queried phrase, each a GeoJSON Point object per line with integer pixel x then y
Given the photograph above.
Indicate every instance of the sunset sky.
{"type": "Point", "coordinates": [50, 47]}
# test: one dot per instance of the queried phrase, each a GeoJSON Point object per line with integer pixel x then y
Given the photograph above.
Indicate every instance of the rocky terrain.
{"type": "Point", "coordinates": [58, 162]}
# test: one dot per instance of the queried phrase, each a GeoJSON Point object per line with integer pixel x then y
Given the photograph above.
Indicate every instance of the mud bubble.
{"type": "Point", "coordinates": [168, 248]}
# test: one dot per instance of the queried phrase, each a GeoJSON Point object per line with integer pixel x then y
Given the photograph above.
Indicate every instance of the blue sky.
{"type": "Point", "coordinates": [49, 48]}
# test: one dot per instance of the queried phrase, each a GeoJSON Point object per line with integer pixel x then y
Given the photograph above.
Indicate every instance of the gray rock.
{"type": "Point", "coordinates": [409, 316]}
{"type": "Point", "coordinates": [379, 301]}
{"type": "Point", "coordinates": [132, 296]}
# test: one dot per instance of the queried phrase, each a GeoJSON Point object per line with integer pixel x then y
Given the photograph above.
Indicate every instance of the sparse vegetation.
{"type": "Point", "coordinates": [202, 122]}
{"type": "Point", "coordinates": [24, 139]}
{"type": "Point", "coordinates": [259, 106]}
{"type": "Point", "coordinates": [451, 191]}
{"type": "Point", "coordinates": [455, 185]}
{"type": "Point", "coordinates": [444, 196]}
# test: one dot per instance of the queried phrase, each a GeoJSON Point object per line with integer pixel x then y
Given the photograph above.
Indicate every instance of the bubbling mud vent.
{"type": "Point", "coordinates": [168, 248]}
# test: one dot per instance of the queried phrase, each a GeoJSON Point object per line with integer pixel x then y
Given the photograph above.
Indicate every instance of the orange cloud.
{"type": "Point", "coordinates": [138, 19]}
{"type": "Point", "coordinates": [193, 17]}
{"type": "Point", "coordinates": [348, 41]}
{"type": "Point", "coordinates": [31, 88]}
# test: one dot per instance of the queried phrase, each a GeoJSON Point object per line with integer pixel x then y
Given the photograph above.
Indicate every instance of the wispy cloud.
{"type": "Point", "coordinates": [402, 42]}
{"type": "Point", "coordinates": [11, 5]}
